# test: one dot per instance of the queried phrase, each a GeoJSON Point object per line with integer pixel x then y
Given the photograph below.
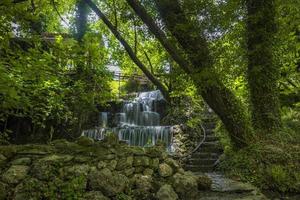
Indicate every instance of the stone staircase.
{"type": "Point", "coordinates": [206, 157]}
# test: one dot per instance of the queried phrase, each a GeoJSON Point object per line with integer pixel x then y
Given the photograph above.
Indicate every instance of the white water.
{"type": "Point", "coordinates": [138, 123]}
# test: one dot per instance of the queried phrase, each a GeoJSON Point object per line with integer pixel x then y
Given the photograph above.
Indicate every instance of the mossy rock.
{"type": "Point", "coordinates": [142, 182]}
{"type": "Point", "coordinates": [95, 195]}
{"type": "Point", "coordinates": [107, 182]}
{"type": "Point", "coordinates": [8, 151]}
{"type": "Point", "coordinates": [75, 171]}
{"type": "Point", "coordinates": [185, 185]}
{"type": "Point", "coordinates": [165, 170]}
{"type": "Point", "coordinates": [85, 141]}
{"type": "Point", "coordinates": [124, 163]}
{"type": "Point", "coordinates": [204, 182]}
{"type": "Point", "coordinates": [21, 161]}
{"type": "Point", "coordinates": [148, 172]}
{"type": "Point", "coordinates": [166, 192]}
{"type": "Point", "coordinates": [173, 163]}
{"type": "Point", "coordinates": [15, 174]}
{"type": "Point", "coordinates": [141, 161]}
{"type": "Point", "coordinates": [154, 163]}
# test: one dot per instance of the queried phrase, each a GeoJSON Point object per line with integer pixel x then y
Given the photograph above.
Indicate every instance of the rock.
{"type": "Point", "coordinates": [165, 170]}
{"type": "Point", "coordinates": [109, 157]}
{"type": "Point", "coordinates": [57, 158]}
{"type": "Point", "coordinates": [166, 192]}
{"type": "Point", "coordinates": [3, 191]}
{"type": "Point", "coordinates": [141, 161]}
{"type": "Point", "coordinates": [85, 141]}
{"type": "Point", "coordinates": [29, 189]}
{"type": "Point", "coordinates": [95, 195]}
{"type": "Point", "coordinates": [2, 160]}
{"type": "Point", "coordinates": [21, 161]}
{"type": "Point", "coordinates": [174, 164]}
{"type": "Point", "coordinates": [125, 163]}
{"type": "Point", "coordinates": [107, 182]}
{"type": "Point", "coordinates": [101, 165]}
{"type": "Point", "coordinates": [148, 172]}
{"type": "Point", "coordinates": [138, 151]}
{"type": "Point", "coordinates": [154, 163]}
{"type": "Point", "coordinates": [143, 182]}
{"type": "Point", "coordinates": [112, 165]}
{"type": "Point", "coordinates": [82, 159]}
{"type": "Point", "coordinates": [15, 174]}
{"type": "Point", "coordinates": [76, 171]}
{"type": "Point", "coordinates": [129, 172]}
{"type": "Point", "coordinates": [185, 185]}
{"type": "Point", "coordinates": [204, 182]}
{"type": "Point", "coordinates": [8, 151]}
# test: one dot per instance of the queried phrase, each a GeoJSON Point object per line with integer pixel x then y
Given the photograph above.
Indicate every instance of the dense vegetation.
{"type": "Point", "coordinates": [241, 57]}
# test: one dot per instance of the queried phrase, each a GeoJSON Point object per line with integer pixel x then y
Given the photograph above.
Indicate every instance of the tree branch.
{"type": "Point", "coordinates": [128, 49]}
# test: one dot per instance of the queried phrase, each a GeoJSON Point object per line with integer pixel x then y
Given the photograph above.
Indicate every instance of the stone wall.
{"type": "Point", "coordinates": [94, 170]}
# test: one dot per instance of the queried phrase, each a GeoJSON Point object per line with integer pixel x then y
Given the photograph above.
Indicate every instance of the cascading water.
{"type": "Point", "coordinates": [138, 123]}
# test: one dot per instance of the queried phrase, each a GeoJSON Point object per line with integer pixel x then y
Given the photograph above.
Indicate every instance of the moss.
{"type": "Point", "coordinates": [85, 141]}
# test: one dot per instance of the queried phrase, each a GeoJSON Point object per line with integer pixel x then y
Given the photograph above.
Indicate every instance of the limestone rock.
{"type": "Point", "coordinates": [165, 170]}
{"type": "Point", "coordinates": [166, 192]}
{"type": "Point", "coordinates": [21, 161]}
{"type": "Point", "coordinates": [141, 161]}
{"type": "Point", "coordinates": [107, 182]}
{"type": "Point", "coordinates": [185, 185]}
{"type": "Point", "coordinates": [85, 141]}
{"type": "Point", "coordinates": [15, 174]}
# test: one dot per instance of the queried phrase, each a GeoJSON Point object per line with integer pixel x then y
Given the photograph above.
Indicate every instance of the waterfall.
{"type": "Point", "coordinates": [138, 123]}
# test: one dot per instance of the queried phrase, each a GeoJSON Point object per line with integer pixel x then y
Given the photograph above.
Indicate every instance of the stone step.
{"type": "Point", "coordinates": [201, 161]}
{"type": "Point", "coordinates": [209, 125]}
{"type": "Point", "coordinates": [211, 138]}
{"type": "Point", "coordinates": [203, 155]}
{"type": "Point", "coordinates": [199, 168]}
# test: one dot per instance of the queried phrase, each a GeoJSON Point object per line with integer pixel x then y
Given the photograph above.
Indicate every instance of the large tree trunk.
{"type": "Point", "coordinates": [198, 66]}
{"type": "Point", "coordinates": [263, 74]}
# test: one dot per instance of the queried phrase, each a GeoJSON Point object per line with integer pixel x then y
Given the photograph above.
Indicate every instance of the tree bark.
{"type": "Point", "coordinates": [129, 50]}
{"type": "Point", "coordinates": [263, 74]}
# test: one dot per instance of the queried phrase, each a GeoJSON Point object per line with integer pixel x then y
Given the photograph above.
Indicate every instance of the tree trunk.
{"type": "Point", "coordinates": [199, 66]}
{"type": "Point", "coordinates": [263, 74]}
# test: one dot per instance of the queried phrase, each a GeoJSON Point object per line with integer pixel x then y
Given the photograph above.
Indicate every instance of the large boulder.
{"type": "Point", "coordinates": [165, 170]}
{"type": "Point", "coordinates": [15, 174]}
{"type": "Point", "coordinates": [166, 192]}
{"type": "Point", "coordinates": [185, 185]}
{"type": "Point", "coordinates": [107, 182]}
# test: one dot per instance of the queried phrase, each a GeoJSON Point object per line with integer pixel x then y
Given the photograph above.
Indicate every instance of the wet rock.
{"type": "Point", "coordinates": [166, 192]}
{"type": "Point", "coordinates": [107, 182]}
{"type": "Point", "coordinates": [185, 185]}
{"type": "Point", "coordinates": [21, 161]}
{"type": "Point", "coordinates": [85, 141]}
{"type": "Point", "coordinates": [141, 161]}
{"type": "Point", "coordinates": [95, 195]}
{"type": "Point", "coordinates": [165, 170]}
{"type": "Point", "coordinates": [15, 174]}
